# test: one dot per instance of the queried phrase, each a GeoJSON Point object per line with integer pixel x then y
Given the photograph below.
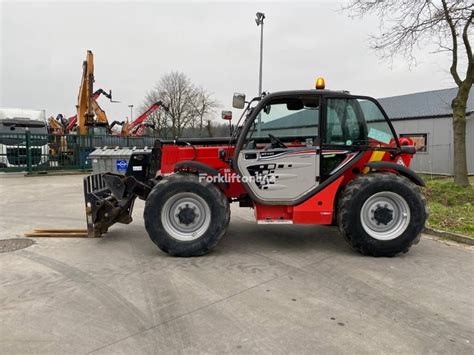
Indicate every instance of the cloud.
{"type": "Point", "coordinates": [43, 45]}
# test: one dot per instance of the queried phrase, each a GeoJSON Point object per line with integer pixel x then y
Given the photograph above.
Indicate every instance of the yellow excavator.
{"type": "Point", "coordinates": [89, 112]}
{"type": "Point", "coordinates": [89, 115]}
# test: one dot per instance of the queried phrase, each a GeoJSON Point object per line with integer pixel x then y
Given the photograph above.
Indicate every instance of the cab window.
{"type": "Point", "coordinates": [356, 122]}
{"type": "Point", "coordinates": [379, 132]}
{"type": "Point", "coordinates": [291, 120]}
{"type": "Point", "coordinates": [343, 125]}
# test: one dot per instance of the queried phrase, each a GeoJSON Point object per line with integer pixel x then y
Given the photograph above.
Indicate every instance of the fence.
{"type": "Point", "coordinates": [45, 152]}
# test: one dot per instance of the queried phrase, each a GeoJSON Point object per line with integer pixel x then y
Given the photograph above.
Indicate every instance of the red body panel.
{"type": "Point", "coordinates": [318, 209]}
{"type": "Point", "coordinates": [172, 154]}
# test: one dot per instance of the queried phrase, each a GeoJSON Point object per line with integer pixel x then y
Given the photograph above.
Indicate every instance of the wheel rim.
{"type": "Point", "coordinates": [186, 216]}
{"type": "Point", "coordinates": [385, 215]}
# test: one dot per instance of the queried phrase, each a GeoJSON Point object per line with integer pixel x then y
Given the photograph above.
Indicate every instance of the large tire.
{"type": "Point", "coordinates": [185, 216]}
{"type": "Point", "coordinates": [381, 214]}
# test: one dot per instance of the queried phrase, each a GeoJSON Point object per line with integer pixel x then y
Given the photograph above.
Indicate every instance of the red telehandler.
{"type": "Point", "coordinates": [299, 157]}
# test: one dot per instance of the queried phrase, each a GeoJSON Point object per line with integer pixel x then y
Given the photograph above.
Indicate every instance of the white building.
{"type": "Point", "coordinates": [427, 118]}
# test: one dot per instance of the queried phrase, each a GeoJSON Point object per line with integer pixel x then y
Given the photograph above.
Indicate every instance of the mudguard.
{"type": "Point", "coordinates": [402, 170]}
{"type": "Point", "coordinates": [200, 168]}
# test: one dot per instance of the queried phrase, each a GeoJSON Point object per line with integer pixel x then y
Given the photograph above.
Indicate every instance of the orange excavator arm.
{"type": "Point", "coordinates": [85, 111]}
{"type": "Point", "coordinates": [72, 121]}
{"type": "Point", "coordinates": [55, 127]}
{"type": "Point", "coordinates": [89, 113]}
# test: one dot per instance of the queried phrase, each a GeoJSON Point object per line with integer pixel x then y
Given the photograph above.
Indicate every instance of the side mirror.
{"type": "Point", "coordinates": [238, 101]}
{"type": "Point", "coordinates": [227, 115]}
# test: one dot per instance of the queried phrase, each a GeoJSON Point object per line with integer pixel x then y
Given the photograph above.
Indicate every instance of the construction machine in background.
{"type": "Point", "coordinates": [89, 113]}
{"type": "Point", "coordinates": [55, 126]}
{"type": "Point", "coordinates": [137, 126]}
{"type": "Point", "coordinates": [90, 117]}
{"type": "Point", "coordinates": [300, 157]}
{"type": "Point", "coordinates": [101, 116]}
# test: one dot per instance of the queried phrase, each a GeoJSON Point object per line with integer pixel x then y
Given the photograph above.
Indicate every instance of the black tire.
{"type": "Point", "coordinates": [186, 183]}
{"type": "Point", "coordinates": [351, 202]}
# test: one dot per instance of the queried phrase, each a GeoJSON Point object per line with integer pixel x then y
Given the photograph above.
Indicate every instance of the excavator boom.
{"type": "Point", "coordinates": [84, 100]}
{"type": "Point", "coordinates": [89, 113]}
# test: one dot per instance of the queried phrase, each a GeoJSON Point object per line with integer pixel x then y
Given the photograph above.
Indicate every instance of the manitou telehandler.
{"type": "Point", "coordinates": [299, 157]}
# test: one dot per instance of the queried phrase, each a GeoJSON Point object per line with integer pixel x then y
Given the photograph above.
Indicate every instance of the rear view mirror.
{"type": "Point", "coordinates": [238, 101]}
{"type": "Point", "coordinates": [295, 105]}
{"type": "Point", "coordinates": [226, 115]}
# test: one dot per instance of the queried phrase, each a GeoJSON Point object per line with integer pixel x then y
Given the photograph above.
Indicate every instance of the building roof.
{"type": "Point", "coordinates": [435, 103]}
{"type": "Point", "coordinates": [305, 118]}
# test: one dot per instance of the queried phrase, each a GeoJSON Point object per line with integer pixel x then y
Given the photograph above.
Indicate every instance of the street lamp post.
{"type": "Point", "coordinates": [131, 112]}
{"type": "Point", "coordinates": [259, 20]}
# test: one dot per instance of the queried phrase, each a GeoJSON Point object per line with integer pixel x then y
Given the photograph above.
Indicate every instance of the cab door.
{"type": "Point", "coordinates": [279, 161]}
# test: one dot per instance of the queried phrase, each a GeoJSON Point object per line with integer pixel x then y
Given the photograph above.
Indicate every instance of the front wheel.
{"type": "Point", "coordinates": [381, 214]}
{"type": "Point", "coordinates": [185, 216]}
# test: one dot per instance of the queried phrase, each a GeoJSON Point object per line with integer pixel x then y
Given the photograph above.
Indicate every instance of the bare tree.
{"type": "Point", "coordinates": [204, 106]}
{"type": "Point", "coordinates": [445, 24]}
{"type": "Point", "coordinates": [159, 119]}
{"type": "Point", "coordinates": [188, 104]}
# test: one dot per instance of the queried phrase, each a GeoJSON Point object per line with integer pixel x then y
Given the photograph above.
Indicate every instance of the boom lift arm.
{"type": "Point", "coordinates": [134, 127]}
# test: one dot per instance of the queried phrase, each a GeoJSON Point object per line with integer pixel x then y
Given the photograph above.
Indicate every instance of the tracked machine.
{"type": "Point", "coordinates": [299, 157]}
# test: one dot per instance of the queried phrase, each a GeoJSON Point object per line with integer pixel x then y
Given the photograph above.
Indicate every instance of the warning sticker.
{"type": "Point", "coordinates": [380, 136]}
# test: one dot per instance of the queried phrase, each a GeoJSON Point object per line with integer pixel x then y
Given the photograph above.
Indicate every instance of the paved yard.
{"type": "Point", "coordinates": [265, 289]}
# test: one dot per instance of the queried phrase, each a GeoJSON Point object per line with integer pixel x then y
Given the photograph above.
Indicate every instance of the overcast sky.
{"type": "Point", "coordinates": [43, 45]}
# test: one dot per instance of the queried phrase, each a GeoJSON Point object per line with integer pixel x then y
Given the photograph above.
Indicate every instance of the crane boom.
{"type": "Point", "coordinates": [140, 119]}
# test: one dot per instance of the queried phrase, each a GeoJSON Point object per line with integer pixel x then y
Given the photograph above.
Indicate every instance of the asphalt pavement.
{"type": "Point", "coordinates": [264, 289]}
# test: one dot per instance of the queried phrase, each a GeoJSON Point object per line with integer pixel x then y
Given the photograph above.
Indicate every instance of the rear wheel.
{"type": "Point", "coordinates": [185, 216]}
{"type": "Point", "coordinates": [381, 214]}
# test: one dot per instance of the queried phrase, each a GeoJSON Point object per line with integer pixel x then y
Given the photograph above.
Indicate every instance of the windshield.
{"type": "Point", "coordinates": [289, 120]}
{"type": "Point", "coordinates": [12, 131]}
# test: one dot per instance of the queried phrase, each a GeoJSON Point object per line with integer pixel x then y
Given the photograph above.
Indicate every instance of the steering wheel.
{"type": "Point", "coordinates": [276, 142]}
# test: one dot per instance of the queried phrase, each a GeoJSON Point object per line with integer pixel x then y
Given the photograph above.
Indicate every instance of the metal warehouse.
{"type": "Point", "coordinates": [426, 117]}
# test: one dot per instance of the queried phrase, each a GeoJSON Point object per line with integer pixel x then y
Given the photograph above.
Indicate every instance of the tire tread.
{"type": "Point", "coordinates": [344, 208]}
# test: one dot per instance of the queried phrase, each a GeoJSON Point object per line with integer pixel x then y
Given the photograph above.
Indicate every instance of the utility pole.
{"type": "Point", "coordinates": [259, 21]}
{"type": "Point", "coordinates": [131, 112]}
